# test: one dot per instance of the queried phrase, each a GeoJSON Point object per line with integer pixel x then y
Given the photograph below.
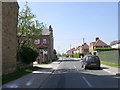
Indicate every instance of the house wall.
{"type": "Point", "coordinates": [47, 39]}
{"type": "Point", "coordinates": [90, 47]}
{"type": "Point", "coordinates": [9, 36]}
{"type": "Point", "coordinates": [48, 46]}
{"type": "Point", "coordinates": [117, 46]}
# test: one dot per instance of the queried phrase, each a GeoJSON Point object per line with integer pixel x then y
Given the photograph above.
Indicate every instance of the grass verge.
{"type": "Point", "coordinates": [110, 64]}
{"type": "Point", "coordinates": [46, 62]}
{"type": "Point", "coordinates": [17, 74]}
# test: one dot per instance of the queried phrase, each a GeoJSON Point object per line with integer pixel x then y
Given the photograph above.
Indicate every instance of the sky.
{"type": "Point", "coordinates": [73, 21]}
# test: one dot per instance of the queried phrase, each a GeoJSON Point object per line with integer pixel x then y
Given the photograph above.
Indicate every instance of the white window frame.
{"type": "Point", "coordinates": [44, 41]}
{"type": "Point", "coordinates": [37, 41]}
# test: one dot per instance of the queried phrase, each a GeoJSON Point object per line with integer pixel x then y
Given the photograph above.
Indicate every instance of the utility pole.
{"type": "Point", "coordinates": [70, 46]}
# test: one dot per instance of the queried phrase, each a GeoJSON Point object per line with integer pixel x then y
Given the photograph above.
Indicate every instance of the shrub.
{"type": "Point", "coordinates": [27, 54]}
{"type": "Point", "coordinates": [76, 55]}
{"type": "Point", "coordinates": [103, 49]}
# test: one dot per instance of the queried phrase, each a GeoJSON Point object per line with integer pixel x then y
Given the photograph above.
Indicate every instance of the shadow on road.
{"type": "Point", "coordinates": [104, 68]}
{"type": "Point", "coordinates": [68, 60]}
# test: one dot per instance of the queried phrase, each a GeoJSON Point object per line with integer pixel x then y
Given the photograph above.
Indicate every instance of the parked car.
{"type": "Point", "coordinates": [90, 62]}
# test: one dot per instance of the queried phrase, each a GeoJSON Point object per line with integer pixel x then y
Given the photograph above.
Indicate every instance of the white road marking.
{"type": "Point", "coordinates": [74, 66]}
{"type": "Point", "coordinates": [109, 71]}
{"type": "Point", "coordinates": [87, 81]}
{"type": "Point", "coordinates": [11, 86]}
{"type": "Point", "coordinates": [41, 72]}
{"type": "Point", "coordinates": [30, 82]}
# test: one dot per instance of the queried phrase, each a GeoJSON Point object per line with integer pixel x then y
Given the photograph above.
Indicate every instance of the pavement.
{"type": "Point", "coordinates": [112, 70]}
{"type": "Point", "coordinates": [36, 78]}
{"type": "Point", "coordinates": [31, 80]}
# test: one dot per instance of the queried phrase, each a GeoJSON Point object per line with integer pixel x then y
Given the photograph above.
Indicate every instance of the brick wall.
{"type": "Point", "coordinates": [9, 36]}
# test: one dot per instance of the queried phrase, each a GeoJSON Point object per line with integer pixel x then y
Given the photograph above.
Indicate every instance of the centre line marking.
{"type": "Point", "coordinates": [87, 81]}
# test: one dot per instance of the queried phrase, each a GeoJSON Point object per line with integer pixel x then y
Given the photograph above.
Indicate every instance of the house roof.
{"type": "Point", "coordinates": [85, 46]}
{"type": "Point", "coordinates": [93, 43]}
{"type": "Point", "coordinates": [78, 48]}
{"type": "Point", "coordinates": [45, 32]}
{"type": "Point", "coordinates": [115, 42]}
{"type": "Point", "coordinates": [100, 43]}
{"type": "Point", "coordinates": [72, 49]}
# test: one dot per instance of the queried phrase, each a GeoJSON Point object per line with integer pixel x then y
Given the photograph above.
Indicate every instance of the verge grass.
{"type": "Point", "coordinates": [17, 74]}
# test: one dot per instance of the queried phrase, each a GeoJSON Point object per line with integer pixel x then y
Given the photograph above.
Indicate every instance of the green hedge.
{"type": "Point", "coordinates": [77, 55]}
{"type": "Point", "coordinates": [109, 56]}
{"type": "Point", "coordinates": [104, 49]}
{"type": "Point", "coordinates": [27, 54]}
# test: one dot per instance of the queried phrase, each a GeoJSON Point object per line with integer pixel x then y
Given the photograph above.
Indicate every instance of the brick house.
{"type": "Point", "coordinates": [71, 51]}
{"type": "Point", "coordinates": [45, 46]}
{"type": "Point", "coordinates": [77, 49]}
{"type": "Point", "coordinates": [97, 44]}
{"type": "Point", "coordinates": [84, 48]}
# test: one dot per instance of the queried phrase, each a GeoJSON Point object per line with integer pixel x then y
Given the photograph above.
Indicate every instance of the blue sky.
{"type": "Point", "coordinates": [73, 21]}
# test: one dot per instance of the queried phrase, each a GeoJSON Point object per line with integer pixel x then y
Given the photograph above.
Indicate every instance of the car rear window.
{"type": "Point", "coordinates": [93, 58]}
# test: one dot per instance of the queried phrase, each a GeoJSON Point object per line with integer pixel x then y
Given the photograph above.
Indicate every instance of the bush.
{"type": "Point", "coordinates": [77, 55]}
{"type": "Point", "coordinates": [27, 54]}
{"type": "Point", "coordinates": [103, 49]}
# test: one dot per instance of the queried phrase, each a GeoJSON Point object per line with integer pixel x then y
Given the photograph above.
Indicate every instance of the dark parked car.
{"type": "Point", "coordinates": [90, 61]}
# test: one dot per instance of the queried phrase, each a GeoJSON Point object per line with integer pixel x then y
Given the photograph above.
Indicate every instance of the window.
{"type": "Point", "coordinates": [44, 41]}
{"type": "Point", "coordinates": [98, 46]}
{"type": "Point", "coordinates": [37, 41]}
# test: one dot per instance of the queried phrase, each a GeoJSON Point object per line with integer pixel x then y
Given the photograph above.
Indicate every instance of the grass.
{"type": "Point", "coordinates": [46, 62]}
{"type": "Point", "coordinates": [110, 64]}
{"type": "Point", "coordinates": [17, 74]}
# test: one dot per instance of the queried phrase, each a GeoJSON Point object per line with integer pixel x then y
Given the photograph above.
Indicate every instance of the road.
{"type": "Point", "coordinates": [69, 74]}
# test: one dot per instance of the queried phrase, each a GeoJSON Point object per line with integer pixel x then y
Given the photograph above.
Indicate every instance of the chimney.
{"type": "Point", "coordinates": [85, 43]}
{"type": "Point", "coordinates": [51, 30]}
{"type": "Point", "coordinates": [97, 38]}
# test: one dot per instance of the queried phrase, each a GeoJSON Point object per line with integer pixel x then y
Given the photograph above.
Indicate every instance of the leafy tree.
{"type": "Point", "coordinates": [28, 27]}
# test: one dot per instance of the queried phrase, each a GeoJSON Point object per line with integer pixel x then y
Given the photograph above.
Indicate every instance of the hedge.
{"type": "Point", "coordinates": [27, 54]}
{"type": "Point", "coordinates": [103, 49]}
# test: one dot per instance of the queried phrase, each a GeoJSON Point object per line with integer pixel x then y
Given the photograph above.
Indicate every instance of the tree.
{"type": "Point", "coordinates": [28, 27]}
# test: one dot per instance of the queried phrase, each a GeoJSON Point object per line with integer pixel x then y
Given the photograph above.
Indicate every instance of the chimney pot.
{"type": "Point", "coordinates": [97, 38]}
